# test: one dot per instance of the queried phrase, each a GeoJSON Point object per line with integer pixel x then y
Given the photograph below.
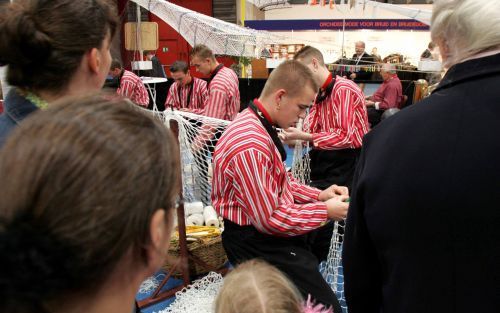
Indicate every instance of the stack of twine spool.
{"type": "Point", "coordinates": [203, 235]}
{"type": "Point", "coordinates": [198, 215]}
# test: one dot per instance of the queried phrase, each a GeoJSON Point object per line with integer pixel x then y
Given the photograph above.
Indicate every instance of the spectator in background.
{"type": "Point", "coordinates": [422, 231]}
{"type": "Point", "coordinates": [427, 54]}
{"type": "Point", "coordinates": [388, 96]}
{"type": "Point", "coordinates": [88, 191]}
{"type": "Point", "coordinates": [161, 88]}
{"type": "Point", "coordinates": [376, 57]}
{"type": "Point", "coordinates": [358, 59]}
{"type": "Point", "coordinates": [186, 93]}
{"type": "Point", "coordinates": [157, 70]}
{"type": "Point", "coordinates": [53, 49]}
{"type": "Point", "coordinates": [131, 86]}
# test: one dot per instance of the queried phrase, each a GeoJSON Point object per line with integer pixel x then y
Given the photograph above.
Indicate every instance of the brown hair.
{"type": "Point", "coordinates": [80, 183]}
{"type": "Point", "coordinates": [292, 76]}
{"type": "Point", "coordinates": [116, 64]}
{"type": "Point", "coordinates": [203, 52]}
{"type": "Point", "coordinates": [179, 66]}
{"type": "Point", "coordinates": [43, 42]}
{"type": "Point", "coordinates": [257, 287]}
{"type": "Point", "coordinates": [307, 53]}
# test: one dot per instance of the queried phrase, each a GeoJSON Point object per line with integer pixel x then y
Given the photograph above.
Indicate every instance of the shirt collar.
{"type": "Point", "coordinates": [260, 106]}
{"type": "Point", "coordinates": [327, 81]}
{"type": "Point", "coordinates": [486, 66]}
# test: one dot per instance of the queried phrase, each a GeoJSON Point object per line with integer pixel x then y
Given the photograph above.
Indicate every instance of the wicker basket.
{"type": "Point", "coordinates": [208, 250]}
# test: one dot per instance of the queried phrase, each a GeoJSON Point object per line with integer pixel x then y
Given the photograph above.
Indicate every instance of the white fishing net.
{"type": "Point", "coordinates": [301, 169]}
{"type": "Point", "coordinates": [198, 297]}
{"type": "Point", "coordinates": [196, 165]}
{"type": "Point", "coordinates": [149, 284]}
{"type": "Point", "coordinates": [265, 5]}
{"type": "Point", "coordinates": [332, 268]}
{"type": "Point", "coordinates": [198, 136]}
{"type": "Point", "coordinates": [221, 37]}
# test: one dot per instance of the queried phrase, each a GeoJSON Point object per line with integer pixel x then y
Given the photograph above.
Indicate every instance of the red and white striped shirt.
{"type": "Point", "coordinates": [250, 184]}
{"type": "Point", "coordinates": [196, 92]}
{"type": "Point", "coordinates": [340, 121]}
{"type": "Point", "coordinates": [131, 86]}
{"type": "Point", "coordinates": [223, 100]}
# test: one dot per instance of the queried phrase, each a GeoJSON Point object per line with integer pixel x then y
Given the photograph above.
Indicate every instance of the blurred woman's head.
{"type": "Point", "coordinates": [88, 188]}
{"type": "Point", "coordinates": [464, 28]}
{"type": "Point", "coordinates": [53, 46]}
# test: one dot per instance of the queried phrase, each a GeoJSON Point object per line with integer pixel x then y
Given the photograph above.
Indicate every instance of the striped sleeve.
{"type": "Point", "coordinates": [307, 125]}
{"type": "Point", "coordinates": [303, 193]}
{"type": "Point", "coordinates": [340, 137]}
{"type": "Point", "coordinates": [141, 94]}
{"type": "Point", "coordinates": [200, 96]}
{"type": "Point", "coordinates": [216, 103]}
{"type": "Point", "coordinates": [132, 87]}
{"type": "Point", "coordinates": [127, 88]}
{"type": "Point", "coordinates": [223, 100]}
{"type": "Point", "coordinates": [170, 102]}
{"type": "Point", "coordinates": [262, 202]}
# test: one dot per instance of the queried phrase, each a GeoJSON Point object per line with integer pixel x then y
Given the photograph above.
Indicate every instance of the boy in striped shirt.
{"type": "Point", "coordinates": [267, 213]}
{"type": "Point", "coordinates": [335, 125]}
{"type": "Point", "coordinates": [131, 85]}
{"type": "Point", "coordinates": [223, 100]}
{"type": "Point", "coordinates": [187, 93]}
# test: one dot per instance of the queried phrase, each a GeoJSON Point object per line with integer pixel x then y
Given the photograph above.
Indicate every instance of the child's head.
{"type": "Point", "coordinates": [257, 287]}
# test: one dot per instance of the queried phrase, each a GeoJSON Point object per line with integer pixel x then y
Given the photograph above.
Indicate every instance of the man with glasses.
{"type": "Point", "coordinates": [187, 93]}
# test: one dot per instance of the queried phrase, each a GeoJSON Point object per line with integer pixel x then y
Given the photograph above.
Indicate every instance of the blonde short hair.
{"type": "Point", "coordinates": [257, 287]}
{"type": "Point", "coordinates": [202, 52]}
{"type": "Point", "coordinates": [467, 27]}
{"type": "Point", "coordinates": [307, 53]}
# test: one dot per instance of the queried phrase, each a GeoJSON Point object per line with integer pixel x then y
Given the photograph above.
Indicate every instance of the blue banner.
{"type": "Point", "coordinates": [378, 24]}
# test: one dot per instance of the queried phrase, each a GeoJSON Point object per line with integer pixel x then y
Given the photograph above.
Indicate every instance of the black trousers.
{"type": "Point", "coordinates": [298, 257]}
{"type": "Point", "coordinates": [330, 167]}
{"type": "Point", "coordinates": [374, 116]}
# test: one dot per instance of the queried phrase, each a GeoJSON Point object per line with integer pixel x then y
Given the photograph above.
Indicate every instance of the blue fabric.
{"type": "Point", "coordinates": [16, 109]}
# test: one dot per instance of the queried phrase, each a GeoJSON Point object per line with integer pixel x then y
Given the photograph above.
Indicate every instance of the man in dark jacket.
{"type": "Point", "coordinates": [361, 58]}
{"type": "Point", "coordinates": [161, 88]}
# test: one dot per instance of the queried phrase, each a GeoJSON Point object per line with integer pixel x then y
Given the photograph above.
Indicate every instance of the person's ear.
{"type": "Point", "coordinates": [94, 60]}
{"type": "Point", "coordinates": [315, 64]}
{"type": "Point", "coordinates": [160, 231]}
{"type": "Point", "coordinates": [278, 96]}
